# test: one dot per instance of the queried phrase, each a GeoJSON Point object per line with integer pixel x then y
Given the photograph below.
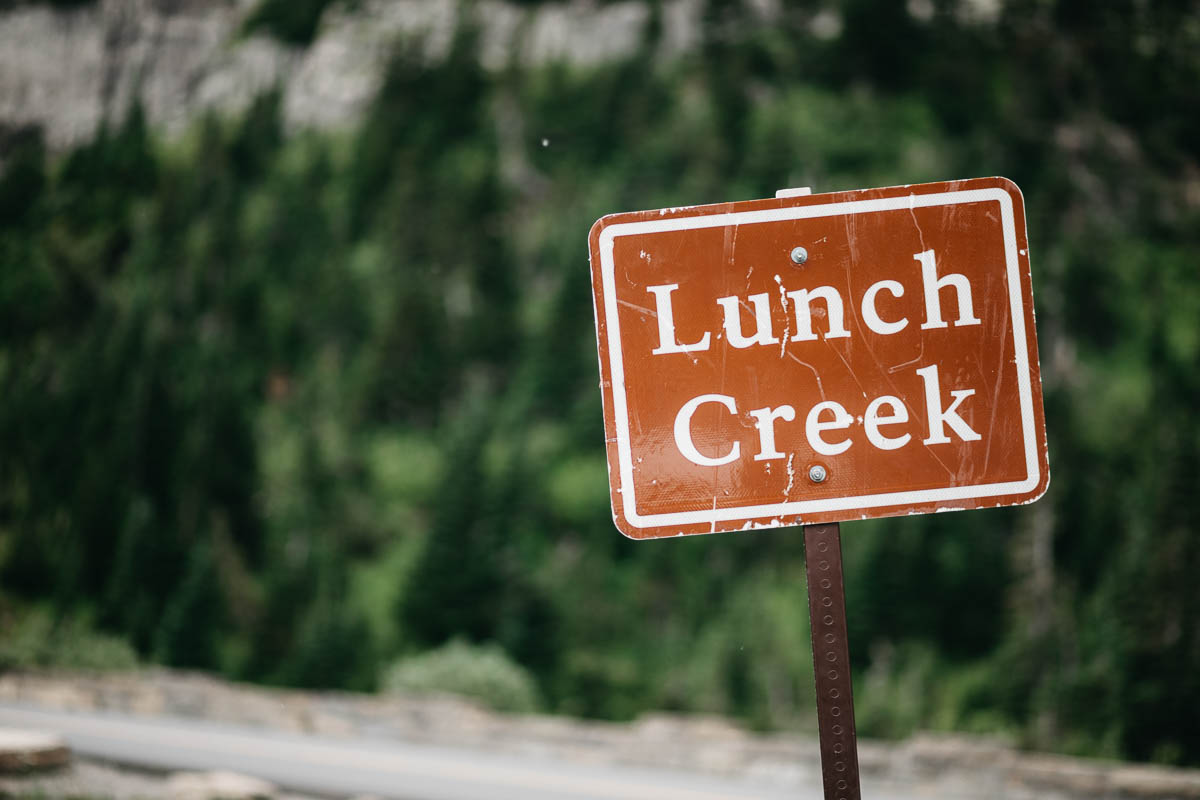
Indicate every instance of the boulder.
{"type": "Point", "coordinates": [21, 751]}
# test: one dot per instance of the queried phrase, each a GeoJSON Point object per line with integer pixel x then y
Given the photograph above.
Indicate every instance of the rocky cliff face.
{"type": "Point", "coordinates": [68, 70]}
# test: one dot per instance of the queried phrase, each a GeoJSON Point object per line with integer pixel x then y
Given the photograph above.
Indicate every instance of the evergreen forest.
{"type": "Point", "coordinates": [320, 409]}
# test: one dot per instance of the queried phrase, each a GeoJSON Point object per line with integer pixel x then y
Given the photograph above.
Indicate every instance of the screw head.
{"type": "Point", "coordinates": [799, 255]}
{"type": "Point", "coordinates": [817, 473]}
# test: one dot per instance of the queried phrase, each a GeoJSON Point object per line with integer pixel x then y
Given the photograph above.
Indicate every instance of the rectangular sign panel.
{"type": "Point", "coordinates": [819, 358]}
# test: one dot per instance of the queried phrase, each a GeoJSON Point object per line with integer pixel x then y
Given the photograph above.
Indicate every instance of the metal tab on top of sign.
{"type": "Point", "coordinates": [818, 358]}
{"type": "Point", "coordinates": [813, 359]}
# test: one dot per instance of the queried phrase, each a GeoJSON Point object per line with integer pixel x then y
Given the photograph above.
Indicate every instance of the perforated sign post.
{"type": "Point", "coordinates": [812, 359]}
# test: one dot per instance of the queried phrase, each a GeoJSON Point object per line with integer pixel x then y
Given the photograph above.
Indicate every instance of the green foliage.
{"type": "Point", "coordinates": [754, 658]}
{"type": "Point", "coordinates": [294, 407]}
{"type": "Point", "coordinates": [37, 641]}
{"type": "Point", "coordinates": [578, 487]}
{"type": "Point", "coordinates": [291, 21]}
{"type": "Point", "coordinates": [481, 672]}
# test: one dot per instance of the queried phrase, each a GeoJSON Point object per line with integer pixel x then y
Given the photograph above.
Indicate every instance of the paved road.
{"type": "Point", "coordinates": [387, 769]}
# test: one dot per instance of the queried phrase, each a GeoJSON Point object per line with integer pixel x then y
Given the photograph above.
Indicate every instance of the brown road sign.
{"type": "Point", "coordinates": [819, 358]}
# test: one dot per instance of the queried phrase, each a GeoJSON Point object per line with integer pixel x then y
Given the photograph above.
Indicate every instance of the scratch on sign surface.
{"type": "Point", "coordinates": [816, 374]}
{"type": "Point", "coordinates": [636, 307]}
{"type": "Point", "coordinates": [787, 320]}
{"type": "Point", "coordinates": [912, 200]}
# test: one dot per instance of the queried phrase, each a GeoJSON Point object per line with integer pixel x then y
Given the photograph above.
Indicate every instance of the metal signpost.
{"type": "Point", "coordinates": [811, 359]}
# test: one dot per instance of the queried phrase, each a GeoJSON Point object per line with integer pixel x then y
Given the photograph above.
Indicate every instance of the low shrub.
{"type": "Point", "coordinates": [481, 672]}
{"type": "Point", "coordinates": [37, 641]}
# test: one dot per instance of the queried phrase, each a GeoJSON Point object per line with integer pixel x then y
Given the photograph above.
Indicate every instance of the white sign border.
{"type": "Point", "coordinates": [801, 507]}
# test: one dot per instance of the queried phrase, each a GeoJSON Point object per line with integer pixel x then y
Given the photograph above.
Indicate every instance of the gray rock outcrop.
{"type": "Point", "coordinates": [68, 70]}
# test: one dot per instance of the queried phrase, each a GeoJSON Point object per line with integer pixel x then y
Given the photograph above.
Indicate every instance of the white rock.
{"type": "Point", "coordinates": [218, 786]}
{"type": "Point", "coordinates": [25, 750]}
